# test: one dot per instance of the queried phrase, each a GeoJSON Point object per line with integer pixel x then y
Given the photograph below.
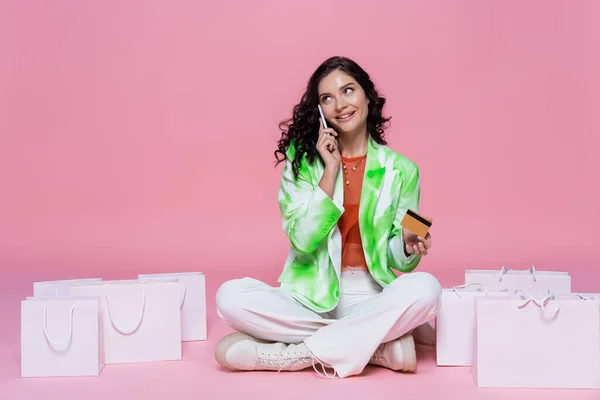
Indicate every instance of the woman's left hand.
{"type": "Point", "coordinates": [415, 244]}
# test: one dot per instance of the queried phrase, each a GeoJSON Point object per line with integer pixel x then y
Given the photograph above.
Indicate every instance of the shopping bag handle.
{"type": "Point", "coordinates": [137, 324]}
{"type": "Point", "coordinates": [539, 302]}
{"type": "Point", "coordinates": [582, 297]}
{"type": "Point", "coordinates": [54, 342]}
{"type": "Point", "coordinates": [578, 296]}
{"type": "Point", "coordinates": [505, 268]}
{"type": "Point", "coordinates": [183, 297]}
{"type": "Point", "coordinates": [467, 285]}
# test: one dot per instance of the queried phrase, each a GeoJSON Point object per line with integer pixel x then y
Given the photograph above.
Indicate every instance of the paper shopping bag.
{"type": "Point", "coordinates": [141, 320]}
{"type": "Point", "coordinates": [61, 337]}
{"type": "Point", "coordinates": [455, 323]}
{"type": "Point", "coordinates": [529, 342]}
{"type": "Point", "coordinates": [57, 288]}
{"type": "Point", "coordinates": [535, 282]}
{"type": "Point", "coordinates": [193, 302]}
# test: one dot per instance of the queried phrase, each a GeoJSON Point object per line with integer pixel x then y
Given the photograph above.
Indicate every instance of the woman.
{"type": "Point", "coordinates": [343, 194]}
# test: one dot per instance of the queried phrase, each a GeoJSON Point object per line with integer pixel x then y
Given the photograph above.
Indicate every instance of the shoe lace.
{"type": "Point", "coordinates": [282, 361]}
{"type": "Point", "coordinates": [285, 359]}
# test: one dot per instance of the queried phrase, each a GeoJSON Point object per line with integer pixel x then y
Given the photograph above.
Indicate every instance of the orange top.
{"type": "Point", "coordinates": [352, 249]}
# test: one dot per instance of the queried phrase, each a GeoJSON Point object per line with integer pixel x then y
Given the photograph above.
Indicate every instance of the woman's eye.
{"type": "Point", "coordinates": [348, 90]}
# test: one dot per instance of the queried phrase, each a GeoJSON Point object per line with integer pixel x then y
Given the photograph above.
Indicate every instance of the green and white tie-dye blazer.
{"type": "Point", "coordinates": [312, 269]}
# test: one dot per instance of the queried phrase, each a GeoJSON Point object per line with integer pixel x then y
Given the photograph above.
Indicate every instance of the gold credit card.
{"type": "Point", "coordinates": [416, 223]}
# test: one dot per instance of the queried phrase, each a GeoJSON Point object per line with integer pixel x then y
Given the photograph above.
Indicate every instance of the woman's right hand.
{"type": "Point", "coordinates": [328, 148]}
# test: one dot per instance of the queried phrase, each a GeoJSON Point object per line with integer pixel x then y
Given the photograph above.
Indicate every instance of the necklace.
{"type": "Point", "coordinates": [353, 168]}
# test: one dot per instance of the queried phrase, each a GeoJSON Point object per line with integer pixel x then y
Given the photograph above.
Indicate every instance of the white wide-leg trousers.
{"type": "Point", "coordinates": [346, 338]}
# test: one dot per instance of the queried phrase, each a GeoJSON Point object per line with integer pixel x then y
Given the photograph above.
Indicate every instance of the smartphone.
{"type": "Point", "coordinates": [322, 116]}
{"type": "Point", "coordinates": [325, 123]}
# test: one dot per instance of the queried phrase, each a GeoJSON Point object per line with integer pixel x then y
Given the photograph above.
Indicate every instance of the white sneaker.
{"type": "Point", "coordinates": [240, 351]}
{"type": "Point", "coordinates": [398, 355]}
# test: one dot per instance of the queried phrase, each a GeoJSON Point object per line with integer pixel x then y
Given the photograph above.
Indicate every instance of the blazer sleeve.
{"type": "Point", "coordinates": [308, 213]}
{"type": "Point", "coordinates": [409, 198]}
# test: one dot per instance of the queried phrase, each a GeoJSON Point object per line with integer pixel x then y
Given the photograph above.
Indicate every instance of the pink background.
{"type": "Point", "coordinates": [138, 136]}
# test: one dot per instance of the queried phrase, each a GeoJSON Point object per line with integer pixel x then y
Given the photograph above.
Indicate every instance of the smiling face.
{"type": "Point", "coordinates": [344, 103]}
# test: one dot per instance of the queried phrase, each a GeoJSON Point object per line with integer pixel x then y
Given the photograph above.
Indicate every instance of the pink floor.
{"type": "Point", "coordinates": [198, 376]}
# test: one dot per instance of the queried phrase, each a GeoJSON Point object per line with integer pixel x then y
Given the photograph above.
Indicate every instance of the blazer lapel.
{"type": "Point", "coordinates": [371, 189]}
{"type": "Point", "coordinates": [335, 237]}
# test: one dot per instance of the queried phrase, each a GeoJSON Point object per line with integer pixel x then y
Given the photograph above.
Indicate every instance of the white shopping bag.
{"type": "Point", "coordinates": [193, 304]}
{"type": "Point", "coordinates": [528, 342]}
{"type": "Point", "coordinates": [61, 337]}
{"type": "Point", "coordinates": [57, 288]}
{"type": "Point", "coordinates": [537, 283]}
{"type": "Point", "coordinates": [141, 320]}
{"type": "Point", "coordinates": [455, 323]}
